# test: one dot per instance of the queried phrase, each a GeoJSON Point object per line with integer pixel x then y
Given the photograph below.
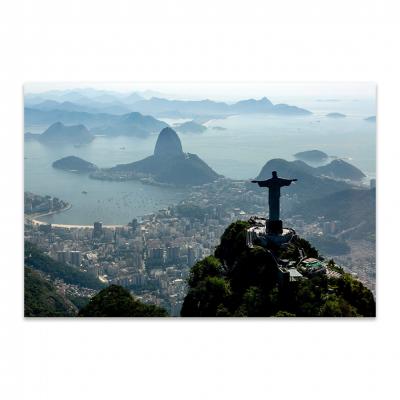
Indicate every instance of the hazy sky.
{"type": "Point", "coordinates": [223, 91]}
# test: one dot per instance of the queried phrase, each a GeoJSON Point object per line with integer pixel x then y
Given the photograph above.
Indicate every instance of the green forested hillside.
{"type": "Point", "coordinates": [354, 208]}
{"type": "Point", "coordinates": [242, 281]}
{"type": "Point", "coordinates": [41, 298]}
{"type": "Point", "coordinates": [36, 259]}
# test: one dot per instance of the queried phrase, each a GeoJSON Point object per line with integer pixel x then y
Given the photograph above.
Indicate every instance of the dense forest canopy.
{"type": "Point", "coordinates": [242, 281]}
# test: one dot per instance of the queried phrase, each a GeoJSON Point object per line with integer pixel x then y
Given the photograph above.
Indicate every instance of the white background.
{"type": "Point", "coordinates": [225, 40]}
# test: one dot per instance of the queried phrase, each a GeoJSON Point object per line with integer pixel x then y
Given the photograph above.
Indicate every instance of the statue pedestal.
{"type": "Point", "coordinates": [263, 231]}
{"type": "Point", "coordinates": [274, 227]}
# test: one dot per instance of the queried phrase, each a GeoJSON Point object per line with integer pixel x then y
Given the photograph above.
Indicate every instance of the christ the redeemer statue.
{"type": "Point", "coordinates": [274, 185]}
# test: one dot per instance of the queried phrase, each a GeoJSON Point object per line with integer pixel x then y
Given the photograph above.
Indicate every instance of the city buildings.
{"type": "Point", "coordinates": [152, 256]}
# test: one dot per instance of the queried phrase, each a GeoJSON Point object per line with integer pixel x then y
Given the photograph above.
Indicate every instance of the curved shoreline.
{"type": "Point", "coordinates": [34, 219]}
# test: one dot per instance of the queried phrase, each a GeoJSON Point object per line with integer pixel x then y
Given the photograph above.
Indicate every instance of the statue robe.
{"type": "Point", "coordinates": [274, 193]}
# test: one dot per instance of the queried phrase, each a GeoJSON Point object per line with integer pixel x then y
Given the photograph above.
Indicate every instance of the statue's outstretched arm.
{"type": "Point", "coordinates": [286, 182]}
{"type": "Point", "coordinates": [262, 183]}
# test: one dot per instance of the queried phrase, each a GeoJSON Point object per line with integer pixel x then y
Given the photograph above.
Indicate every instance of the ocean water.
{"type": "Point", "coordinates": [239, 152]}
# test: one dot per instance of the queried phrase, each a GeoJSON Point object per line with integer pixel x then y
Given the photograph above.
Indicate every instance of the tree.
{"type": "Point", "coordinates": [356, 294]}
{"type": "Point", "coordinates": [208, 267]}
{"type": "Point", "coordinates": [242, 281]}
{"type": "Point", "coordinates": [233, 242]}
{"type": "Point", "coordinates": [336, 306]}
{"type": "Point", "coordinates": [41, 298]}
{"type": "Point", "coordinates": [284, 314]}
{"type": "Point", "coordinates": [208, 290]}
{"type": "Point", "coordinates": [115, 301]}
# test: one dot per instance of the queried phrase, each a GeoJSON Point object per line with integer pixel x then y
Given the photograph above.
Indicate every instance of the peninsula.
{"type": "Point", "coordinates": [169, 165]}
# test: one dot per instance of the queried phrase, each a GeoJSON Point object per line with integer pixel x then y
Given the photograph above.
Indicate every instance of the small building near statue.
{"type": "Point", "coordinates": [312, 266]}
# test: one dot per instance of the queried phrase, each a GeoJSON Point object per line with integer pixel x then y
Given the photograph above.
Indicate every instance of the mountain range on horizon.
{"type": "Point", "coordinates": [164, 107]}
{"type": "Point", "coordinates": [100, 101]}
{"type": "Point", "coordinates": [90, 93]}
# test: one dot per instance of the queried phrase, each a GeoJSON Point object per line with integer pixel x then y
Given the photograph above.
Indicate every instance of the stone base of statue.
{"type": "Point", "coordinates": [274, 227]}
{"type": "Point", "coordinates": [262, 232]}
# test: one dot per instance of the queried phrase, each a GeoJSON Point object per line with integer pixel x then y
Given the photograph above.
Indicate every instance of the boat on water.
{"type": "Point", "coordinates": [84, 192]}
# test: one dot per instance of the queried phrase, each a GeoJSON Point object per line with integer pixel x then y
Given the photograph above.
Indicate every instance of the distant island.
{"type": "Point", "coordinates": [58, 133]}
{"type": "Point", "coordinates": [130, 124]}
{"type": "Point", "coordinates": [370, 119]}
{"type": "Point", "coordinates": [169, 165]}
{"type": "Point", "coordinates": [336, 115]}
{"type": "Point", "coordinates": [312, 156]}
{"type": "Point", "coordinates": [190, 127]}
{"type": "Point", "coordinates": [74, 164]}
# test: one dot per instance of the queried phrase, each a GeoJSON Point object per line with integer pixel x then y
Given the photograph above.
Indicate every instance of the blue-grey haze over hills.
{"type": "Point", "coordinates": [125, 129]}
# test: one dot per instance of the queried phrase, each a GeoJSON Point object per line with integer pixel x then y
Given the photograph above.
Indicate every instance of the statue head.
{"type": "Point", "coordinates": [274, 174]}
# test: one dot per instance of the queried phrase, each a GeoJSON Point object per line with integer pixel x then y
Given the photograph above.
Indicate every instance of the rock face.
{"type": "Point", "coordinates": [76, 164]}
{"type": "Point", "coordinates": [168, 143]}
{"type": "Point", "coordinates": [312, 156]}
{"type": "Point", "coordinates": [59, 133]}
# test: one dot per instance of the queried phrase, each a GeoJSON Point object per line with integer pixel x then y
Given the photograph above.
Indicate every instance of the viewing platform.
{"type": "Point", "coordinates": [258, 233]}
